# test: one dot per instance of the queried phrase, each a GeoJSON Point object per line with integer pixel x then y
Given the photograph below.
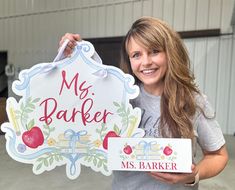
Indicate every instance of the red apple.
{"type": "Point", "coordinates": [33, 138]}
{"type": "Point", "coordinates": [167, 151]}
{"type": "Point", "coordinates": [127, 149]}
{"type": "Point", "coordinates": [109, 134]}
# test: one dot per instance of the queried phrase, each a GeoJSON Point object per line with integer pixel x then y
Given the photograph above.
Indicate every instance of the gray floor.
{"type": "Point", "coordinates": [18, 176]}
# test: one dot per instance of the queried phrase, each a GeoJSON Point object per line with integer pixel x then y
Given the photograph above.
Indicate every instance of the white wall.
{"type": "Point", "coordinates": [30, 31]}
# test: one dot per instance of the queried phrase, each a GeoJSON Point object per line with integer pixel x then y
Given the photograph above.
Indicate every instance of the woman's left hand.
{"type": "Point", "coordinates": [174, 178]}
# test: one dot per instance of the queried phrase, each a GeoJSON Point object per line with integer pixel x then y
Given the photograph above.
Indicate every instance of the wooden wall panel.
{"type": "Point", "coordinates": [222, 102]}
{"type": "Point", "coordinates": [31, 29]}
{"type": "Point", "coordinates": [158, 8]}
{"type": "Point", "coordinates": [179, 15]}
{"type": "Point", "coordinates": [211, 69]}
{"type": "Point", "coordinates": [199, 63]}
{"type": "Point", "coordinates": [230, 128]}
{"type": "Point", "coordinates": [202, 15]}
{"type": "Point", "coordinates": [214, 13]}
{"type": "Point", "coordinates": [168, 11]}
{"type": "Point", "coordinates": [190, 15]}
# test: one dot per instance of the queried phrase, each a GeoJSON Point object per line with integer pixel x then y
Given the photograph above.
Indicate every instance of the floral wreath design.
{"type": "Point", "coordinates": [148, 151]}
{"type": "Point", "coordinates": [41, 145]}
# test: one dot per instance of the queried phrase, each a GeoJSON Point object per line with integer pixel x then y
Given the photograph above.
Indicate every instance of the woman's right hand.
{"type": "Point", "coordinates": [73, 39]}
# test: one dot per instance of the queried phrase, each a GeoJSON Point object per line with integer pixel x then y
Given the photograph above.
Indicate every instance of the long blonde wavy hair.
{"type": "Point", "coordinates": [178, 104]}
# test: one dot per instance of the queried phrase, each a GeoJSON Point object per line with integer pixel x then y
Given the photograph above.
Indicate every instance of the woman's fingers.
{"type": "Point", "coordinates": [73, 39]}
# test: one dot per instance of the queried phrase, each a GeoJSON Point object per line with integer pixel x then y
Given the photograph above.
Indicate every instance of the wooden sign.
{"type": "Point", "coordinates": [67, 111]}
{"type": "Point", "coordinates": [150, 154]}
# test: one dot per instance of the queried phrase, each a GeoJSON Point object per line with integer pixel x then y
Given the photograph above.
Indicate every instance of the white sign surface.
{"type": "Point", "coordinates": [67, 111]}
{"type": "Point", "coordinates": [150, 154]}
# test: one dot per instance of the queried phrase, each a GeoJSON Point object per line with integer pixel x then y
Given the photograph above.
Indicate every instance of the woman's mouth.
{"type": "Point", "coordinates": [149, 71]}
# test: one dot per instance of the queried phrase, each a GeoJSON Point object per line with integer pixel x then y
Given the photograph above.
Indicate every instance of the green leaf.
{"type": "Point", "coordinates": [39, 166]}
{"type": "Point", "coordinates": [45, 162]}
{"type": "Point", "coordinates": [128, 111]}
{"type": "Point", "coordinates": [95, 161]}
{"type": "Point", "coordinates": [29, 99]}
{"type": "Point", "coordinates": [36, 100]}
{"type": "Point", "coordinates": [60, 157]}
{"type": "Point", "coordinates": [90, 158]}
{"type": "Point", "coordinates": [17, 112]}
{"type": "Point", "coordinates": [45, 133]}
{"type": "Point", "coordinates": [99, 164]}
{"type": "Point", "coordinates": [31, 106]}
{"type": "Point", "coordinates": [30, 124]}
{"type": "Point", "coordinates": [85, 159]}
{"type": "Point", "coordinates": [116, 129]}
{"type": "Point", "coordinates": [22, 106]}
{"type": "Point", "coordinates": [122, 114]}
{"type": "Point", "coordinates": [28, 110]}
{"type": "Point", "coordinates": [97, 130]}
{"type": "Point", "coordinates": [116, 104]}
{"type": "Point", "coordinates": [51, 160]}
{"type": "Point", "coordinates": [105, 168]}
{"type": "Point", "coordinates": [57, 158]}
{"type": "Point", "coordinates": [40, 159]}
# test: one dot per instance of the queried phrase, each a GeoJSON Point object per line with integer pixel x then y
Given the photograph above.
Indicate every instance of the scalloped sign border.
{"type": "Point", "coordinates": [68, 110]}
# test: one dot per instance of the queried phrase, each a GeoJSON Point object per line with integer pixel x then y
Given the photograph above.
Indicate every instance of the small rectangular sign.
{"type": "Point", "coordinates": [150, 154]}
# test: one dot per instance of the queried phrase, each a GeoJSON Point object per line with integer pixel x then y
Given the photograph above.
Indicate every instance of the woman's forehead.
{"type": "Point", "coordinates": [141, 43]}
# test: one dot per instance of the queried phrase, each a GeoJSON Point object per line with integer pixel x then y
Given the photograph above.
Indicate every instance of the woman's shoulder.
{"type": "Point", "coordinates": [203, 103]}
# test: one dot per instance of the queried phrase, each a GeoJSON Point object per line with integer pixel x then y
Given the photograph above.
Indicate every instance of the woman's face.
{"type": "Point", "coordinates": [149, 66]}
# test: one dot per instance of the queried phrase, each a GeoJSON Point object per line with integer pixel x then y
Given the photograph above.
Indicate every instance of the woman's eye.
{"type": "Point", "coordinates": [135, 55]}
{"type": "Point", "coordinates": [155, 51]}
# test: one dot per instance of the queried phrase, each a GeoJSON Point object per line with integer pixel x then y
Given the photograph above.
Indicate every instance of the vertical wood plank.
{"type": "Point", "coordinates": [101, 21]}
{"type": "Point", "coordinates": [127, 14]}
{"type": "Point", "coordinates": [78, 17]}
{"type": "Point", "coordinates": [223, 81]}
{"type": "Point", "coordinates": [190, 15]}
{"type": "Point", "coordinates": [227, 8]}
{"type": "Point", "coordinates": [168, 11]}
{"type": "Point", "coordinates": [85, 23]}
{"type": "Point", "coordinates": [215, 14]}
{"type": "Point", "coordinates": [190, 45]}
{"type": "Point", "coordinates": [202, 14]}
{"type": "Point", "coordinates": [109, 20]}
{"type": "Point", "coordinates": [137, 10]}
{"type": "Point", "coordinates": [179, 11]}
{"type": "Point", "coordinates": [211, 77]}
{"type": "Point", "coordinates": [199, 64]}
{"type": "Point", "coordinates": [118, 19]}
{"type": "Point", "coordinates": [158, 9]}
{"type": "Point", "coordinates": [231, 108]}
{"type": "Point", "coordinates": [147, 8]}
{"type": "Point", "coordinates": [1, 8]}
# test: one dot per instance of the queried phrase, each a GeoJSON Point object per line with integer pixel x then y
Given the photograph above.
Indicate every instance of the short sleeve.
{"type": "Point", "coordinates": [209, 133]}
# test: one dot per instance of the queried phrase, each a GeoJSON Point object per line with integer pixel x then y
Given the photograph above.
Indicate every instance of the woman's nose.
{"type": "Point", "coordinates": [146, 59]}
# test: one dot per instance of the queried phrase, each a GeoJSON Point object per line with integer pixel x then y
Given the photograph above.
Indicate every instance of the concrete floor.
{"type": "Point", "coordinates": [19, 176]}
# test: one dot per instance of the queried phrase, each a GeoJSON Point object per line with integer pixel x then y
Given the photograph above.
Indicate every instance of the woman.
{"type": "Point", "coordinates": [172, 105]}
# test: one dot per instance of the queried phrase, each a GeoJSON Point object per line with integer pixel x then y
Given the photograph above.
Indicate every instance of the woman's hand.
{"type": "Point", "coordinates": [73, 39]}
{"type": "Point", "coordinates": [175, 178]}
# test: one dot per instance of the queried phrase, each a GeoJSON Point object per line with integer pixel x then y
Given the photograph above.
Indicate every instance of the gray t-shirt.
{"type": "Point", "coordinates": [207, 132]}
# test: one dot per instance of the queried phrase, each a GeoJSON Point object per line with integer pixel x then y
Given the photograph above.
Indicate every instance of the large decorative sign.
{"type": "Point", "coordinates": [150, 154]}
{"type": "Point", "coordinates": [68, 110]}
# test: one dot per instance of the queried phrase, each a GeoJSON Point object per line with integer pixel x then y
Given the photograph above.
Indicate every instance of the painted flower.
{"type": "Point", "coordinates": [51, 141]}
{"type": "Point", "coordinates": [132, 156]}
{"type": "Point", "coordinates": [21, 148]}
{"type": "Point", "coordinates": [97, 143]}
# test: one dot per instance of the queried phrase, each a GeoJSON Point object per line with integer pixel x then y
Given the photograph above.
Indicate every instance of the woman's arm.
{"type": "Point", "coordinates": [211, 165]}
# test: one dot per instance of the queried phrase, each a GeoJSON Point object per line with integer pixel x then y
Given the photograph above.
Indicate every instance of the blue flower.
{"type": "Point", "coordinates": [21, 148]}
